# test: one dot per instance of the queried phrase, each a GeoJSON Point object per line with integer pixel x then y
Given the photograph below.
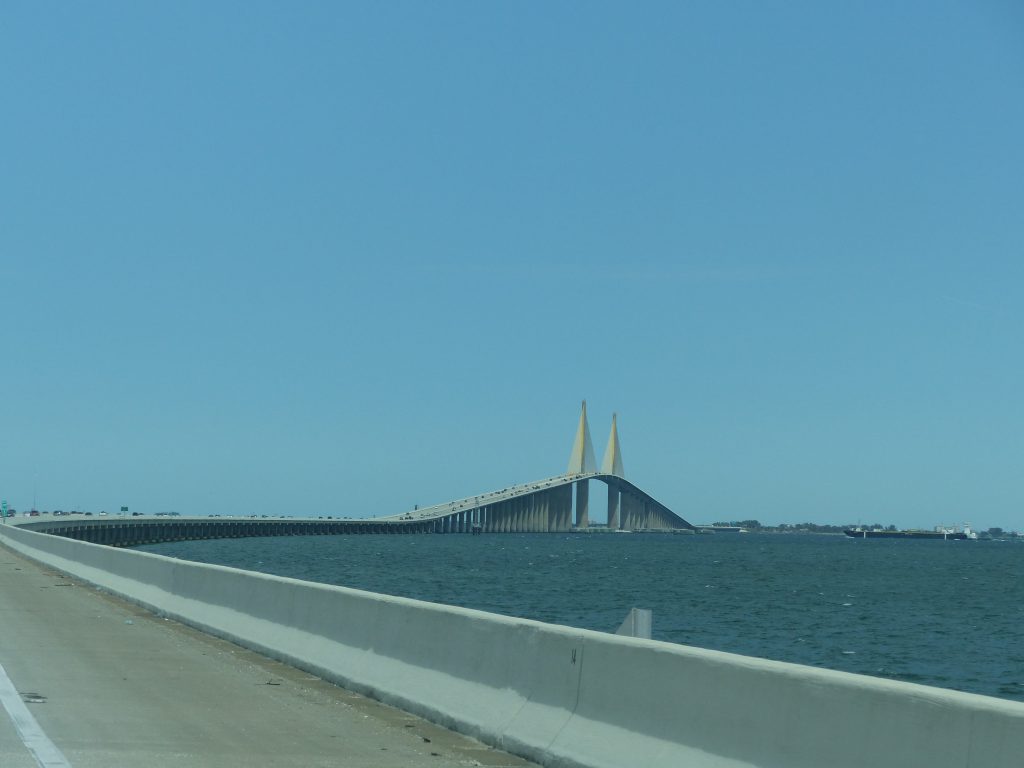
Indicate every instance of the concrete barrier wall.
{"type": "Point", "coordinates": [561, 696]}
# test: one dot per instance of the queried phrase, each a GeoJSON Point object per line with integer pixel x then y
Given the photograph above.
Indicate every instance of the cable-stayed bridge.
{"type": "Point", "coordinates": [552, 505]}
{"type": "Point", "coordinates": [547, 505]}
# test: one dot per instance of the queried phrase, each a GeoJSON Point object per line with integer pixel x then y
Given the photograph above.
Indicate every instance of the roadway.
{"type": "Point", "coordinates": [491, 497]}
{"type": "Point", "coordinates": [108, 684]}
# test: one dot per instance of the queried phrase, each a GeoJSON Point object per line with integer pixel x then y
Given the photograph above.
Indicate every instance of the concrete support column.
{"type": "Point", "coordinates": [583, 504]}
{"type": "Point", "coordinates": [613, 507]}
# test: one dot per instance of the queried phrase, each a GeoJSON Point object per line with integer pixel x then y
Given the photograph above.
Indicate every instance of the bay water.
{"type": "Point", "coordinates": [943, 613]}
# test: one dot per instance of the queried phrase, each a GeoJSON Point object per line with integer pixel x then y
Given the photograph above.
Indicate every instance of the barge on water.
{"type": "Point", "coordinates": [939, 532]}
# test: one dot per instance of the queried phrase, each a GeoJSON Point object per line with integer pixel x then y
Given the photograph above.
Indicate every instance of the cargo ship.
{"type": "Point", "coordinates": [940, 533]}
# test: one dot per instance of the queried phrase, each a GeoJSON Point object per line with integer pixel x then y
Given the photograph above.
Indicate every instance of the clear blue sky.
{"type": "Point", "coordinates": [329, 258]}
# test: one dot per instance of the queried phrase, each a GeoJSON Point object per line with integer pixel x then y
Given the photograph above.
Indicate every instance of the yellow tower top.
{"type": "Point", "coordinates": [581, 460]}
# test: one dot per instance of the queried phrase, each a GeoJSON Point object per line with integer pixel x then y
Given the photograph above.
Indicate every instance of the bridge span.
{"type": "Point", "coordinates": [546, 506]}
{"type": "Point", "coordinates": [541, 506]}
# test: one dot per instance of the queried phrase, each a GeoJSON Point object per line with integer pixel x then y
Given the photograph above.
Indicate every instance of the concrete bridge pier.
{"type": "Point", "coordinates": [554, 502]}
{"type": "Point", "coordinates": [583, 504]}
{"type": "Point", "coordinates": [613, 507]}
{"type": "Point", "coordinates": [565, 509]}
{"type": "Point", "coordinates": [628, 511]}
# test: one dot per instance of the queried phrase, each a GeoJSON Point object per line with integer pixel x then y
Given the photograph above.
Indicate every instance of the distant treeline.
{"type": "Point", "coordinates": [755, 525]}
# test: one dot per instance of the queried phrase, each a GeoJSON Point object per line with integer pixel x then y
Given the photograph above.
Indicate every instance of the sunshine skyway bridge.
{"type": "Point", "coordinates": [553, 505]}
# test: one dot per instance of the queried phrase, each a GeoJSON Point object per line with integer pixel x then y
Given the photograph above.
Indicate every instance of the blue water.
{"type": "Point", "coordinates": [944, 613]}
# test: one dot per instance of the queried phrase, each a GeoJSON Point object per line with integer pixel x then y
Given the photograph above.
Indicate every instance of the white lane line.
{"type": "Point", "coordinates": [43, 750]}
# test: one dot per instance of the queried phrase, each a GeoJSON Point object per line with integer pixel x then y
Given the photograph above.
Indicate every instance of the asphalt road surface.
{"type": "Point", "coordinates": [90, 681]}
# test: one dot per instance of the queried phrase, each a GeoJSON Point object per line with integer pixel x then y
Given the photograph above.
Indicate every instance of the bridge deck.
{"type": "Point", "coordinates": [543, 506]}
{"type": "Point", "coordinates": [113, 685]}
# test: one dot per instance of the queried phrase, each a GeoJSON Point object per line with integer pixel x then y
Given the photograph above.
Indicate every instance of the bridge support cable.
{"type": "Point", "coordinates": [581, 458]}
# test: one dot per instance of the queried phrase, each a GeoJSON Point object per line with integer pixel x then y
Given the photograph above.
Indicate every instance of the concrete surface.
{"type": "Point", "coordinates": [113, 685]}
